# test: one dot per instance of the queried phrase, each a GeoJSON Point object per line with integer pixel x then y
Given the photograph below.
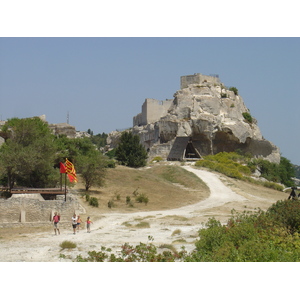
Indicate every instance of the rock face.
{"type": "Point", "coordinates": [212, 115]}
{"type": "Point", "coordinates": [63, 128]}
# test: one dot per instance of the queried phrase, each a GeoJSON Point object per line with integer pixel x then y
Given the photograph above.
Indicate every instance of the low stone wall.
{"type": "Point", "coordinates": [32, 208]}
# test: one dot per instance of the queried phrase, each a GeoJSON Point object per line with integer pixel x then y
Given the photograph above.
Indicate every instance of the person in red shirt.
{"type": "Point", "coordinates": [55, 220]}
{"type": "Point", "coordinates": [88, 224]}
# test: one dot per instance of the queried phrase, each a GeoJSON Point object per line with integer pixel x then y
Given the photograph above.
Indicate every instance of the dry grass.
{"type": "Point", "coordinates": [166, 187]}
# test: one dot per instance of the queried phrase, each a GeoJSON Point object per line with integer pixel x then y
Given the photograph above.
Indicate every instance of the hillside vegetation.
{"type": "Point", "coordinates": [242, 167]}
{"type": "Point", "coordinates": [166, 186]}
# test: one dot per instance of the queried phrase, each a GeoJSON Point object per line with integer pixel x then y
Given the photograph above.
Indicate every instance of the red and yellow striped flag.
{"type": "Point", "coordinates": [70, 170]}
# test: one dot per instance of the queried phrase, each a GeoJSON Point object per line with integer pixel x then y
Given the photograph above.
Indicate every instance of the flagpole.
{"type": "Point", "coordinates": [61, 181]}
{"type": "Point", "coordinates": [65, 187]}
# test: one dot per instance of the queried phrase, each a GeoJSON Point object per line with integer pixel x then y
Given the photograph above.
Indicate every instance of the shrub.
{"type": "Point", "coordinates": [129, 202]}
{"type": "Point", "coordinates": [234, 89]}
{"type": "Point", "coordinates": [142, 225]}
{"type": "Point", "coordinates": [140, 253]}
{"type": "Point", "coordinates": [228, 163]}
{"type": "Point", "coordinates": [110, 204]}
{"type": "Point", "coordinates": [239, 166]}
{"type": "Point", "coordinates": [246, 237]}
{"type": "Point", "coordinates": [248, 117]}
{"type": "Point", "coordinates": [282, 172]}
{"type": "Point", "coordinates": [142, 198]}
{"type": "Point", "coordinates": [157, 159]}
{"type": "Point", "coordinates": [286, 213]}
{"type": "Point", "coordinates": [94, 201]}
{"type": "Point", "coordinates": [67, 245]}
{"type": "Point", "coordinates": [177, 231]}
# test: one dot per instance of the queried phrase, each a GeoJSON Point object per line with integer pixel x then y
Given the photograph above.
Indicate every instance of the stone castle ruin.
{"type": "Point", "coordinates": [204, 117]}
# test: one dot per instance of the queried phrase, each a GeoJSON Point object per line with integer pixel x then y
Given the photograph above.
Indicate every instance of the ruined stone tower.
{"type": "Point", "coordinates": [204, 117]}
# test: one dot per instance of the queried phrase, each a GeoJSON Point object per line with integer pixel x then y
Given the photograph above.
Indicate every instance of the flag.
{"type": "Point", "coordinates": [62, 168]}
{"type": "Point", "coordinates": [72, 178]}
{"type": "Point", "coordinates": [70, 170]}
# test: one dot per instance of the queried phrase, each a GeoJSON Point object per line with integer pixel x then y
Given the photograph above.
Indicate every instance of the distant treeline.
{"type": "Point", "coordinates": [99, 139]}
{"type": "Point", "coordinates": [297, 171]}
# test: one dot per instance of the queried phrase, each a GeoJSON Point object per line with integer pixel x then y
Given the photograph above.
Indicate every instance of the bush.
{"type": "Point", "coordinates": [234, 89]}
{"type": "Point", "coordinates": [248, 237]}
{"type": "Point", "coordinates": [282, 172]}
{"type": "Point", "coordinates": [128, 201]}
{"type": "Point", "coordinates": [248, 117]}
{"type": "Point", "coordinates": [157, 159]}
{"type": "Point", "coordinates": [142, 225]}
{"type": "Point", "coordinates": [228, 163]}
{"type": "Point", "coordinates": [142, 198]}
{"type": "Point", "coordinates": [240, 166]}
{"type": "Point", "coordinates": [110, 204]}
{"type": "Point", "coordinates": [93, 201]}
{"type": "Point", "coordinates": [286, 213]}
{"type": "Point", "coordinates": [67, 245]}
{"type": "Point", "coordinates": [140, 253]}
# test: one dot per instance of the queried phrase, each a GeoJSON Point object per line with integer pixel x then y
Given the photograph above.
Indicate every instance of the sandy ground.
{"type": "Point", "coordinates": [177, 227]}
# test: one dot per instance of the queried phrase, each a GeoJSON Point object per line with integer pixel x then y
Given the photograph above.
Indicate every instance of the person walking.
{"type": "Point", "coordinates": [74, 223]}
{"type": "Point", "coordinates": [292, 194]}
{"type": "Point", "coordinates": [79, 221]}
{"type": "Point", "coordinates": [88, 224]}
{"type": "Point", "coordinates": [55, 220]}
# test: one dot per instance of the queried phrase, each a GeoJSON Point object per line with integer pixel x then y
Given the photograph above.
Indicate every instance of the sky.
{"type": "Point", "coordinates": [100, 83]}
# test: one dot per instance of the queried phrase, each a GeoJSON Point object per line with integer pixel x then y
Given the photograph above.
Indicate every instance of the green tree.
{"type": "Point", "coordinates": [99, 140]}
{"type": "Point", "coordinates": [286, 171]}
{"type": "Point", "coordinates": [72, 148]}
{"type": "Point", "coordinates": [92, 168]}
{"type": "Point", "coordinates": [130, 152]}
{"type": "Point", "coordinates": [27, 156]}
{"type": "Point", "coordinates": [282, 172]}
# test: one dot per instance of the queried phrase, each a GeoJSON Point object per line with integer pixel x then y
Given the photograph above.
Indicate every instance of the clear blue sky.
{"type": "Point", "coordinates": [103, 82]}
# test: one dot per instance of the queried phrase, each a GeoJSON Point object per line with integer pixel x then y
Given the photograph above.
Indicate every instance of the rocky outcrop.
{"type": "Point", "coordinates": [213, 116]}
{"type": "Point", "coordinates": [63, 129]}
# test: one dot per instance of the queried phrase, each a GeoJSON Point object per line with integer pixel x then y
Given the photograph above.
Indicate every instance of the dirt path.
{"type": "Point", "coordinates": [177, 227]}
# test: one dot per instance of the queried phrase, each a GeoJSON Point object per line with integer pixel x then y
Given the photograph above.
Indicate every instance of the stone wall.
{"type": "Point", "coordinates": [197, 78]}
{"type": "Point", "coordinates": [27, 208]}
{"type": "Point", "coordinates": [152, 111]}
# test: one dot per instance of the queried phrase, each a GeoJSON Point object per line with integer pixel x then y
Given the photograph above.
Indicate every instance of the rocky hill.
{"type": "Point", "coordinates": [204, 117]}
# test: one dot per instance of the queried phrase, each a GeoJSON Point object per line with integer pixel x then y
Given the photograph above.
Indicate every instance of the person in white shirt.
{"type": "Point", "coordinates": [74, 223]}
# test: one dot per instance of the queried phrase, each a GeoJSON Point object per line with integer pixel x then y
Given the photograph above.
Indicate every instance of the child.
{"type": "Point", "coordinates": [78, 223]}
{"type": "Point", "coordinates": [88, 224]}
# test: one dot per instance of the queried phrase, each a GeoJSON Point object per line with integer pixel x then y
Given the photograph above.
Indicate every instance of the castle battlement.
{"type": "Point", "coordinates": [198, 78]}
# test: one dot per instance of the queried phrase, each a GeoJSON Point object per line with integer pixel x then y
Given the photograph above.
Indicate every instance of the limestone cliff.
{"type": "Point", "coordinates": [212, 115]}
